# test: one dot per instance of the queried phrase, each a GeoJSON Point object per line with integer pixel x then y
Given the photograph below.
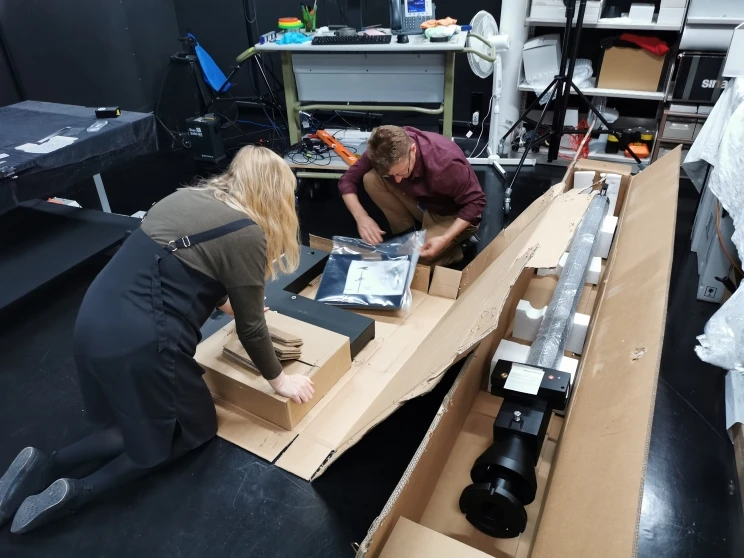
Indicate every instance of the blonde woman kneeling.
{"type": "Point", "coordinates": [138, 327]}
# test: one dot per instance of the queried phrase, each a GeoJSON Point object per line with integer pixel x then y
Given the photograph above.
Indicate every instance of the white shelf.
{"type": "Point", "coordinates": [616, 158]}
{"type": "Point", "coordinates": [723, 21]}
{"type": "Point", "coordinates": [607, 25]}
{"type": "Point", "coordinates": [617, 93]}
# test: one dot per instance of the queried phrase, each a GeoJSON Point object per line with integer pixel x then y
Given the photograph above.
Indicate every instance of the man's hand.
{"type": "Point", "coordinates": [434, 246]}
{"type": "Point", "coordinates": [296, 387]}
{"type": "Point", "coordinates": [369, 231]}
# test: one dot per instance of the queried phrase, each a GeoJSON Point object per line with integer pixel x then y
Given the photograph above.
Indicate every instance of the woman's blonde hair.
{"type": "Point", "coordinates": [260, 184]}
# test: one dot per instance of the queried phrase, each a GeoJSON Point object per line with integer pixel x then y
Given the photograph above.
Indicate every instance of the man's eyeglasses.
{"type": "Point", "coordinates": [402, 174]}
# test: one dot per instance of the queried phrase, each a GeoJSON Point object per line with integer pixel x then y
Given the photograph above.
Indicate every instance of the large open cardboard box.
{"type": "Point", "coordinates": [592, 467]}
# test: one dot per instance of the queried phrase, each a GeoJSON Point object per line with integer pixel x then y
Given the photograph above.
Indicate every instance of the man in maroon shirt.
{"type": "Point", "coordinates": [416, 177]}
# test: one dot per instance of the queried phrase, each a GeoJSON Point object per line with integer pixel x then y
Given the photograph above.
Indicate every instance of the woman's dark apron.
{"type": "Point", "coordinates": [135, 339]}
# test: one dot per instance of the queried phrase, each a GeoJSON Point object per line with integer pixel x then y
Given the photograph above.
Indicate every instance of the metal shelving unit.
{"type": "Point", "coordinates": [617, 93]}
{"type": "Point", "coordinates": [606, 25]}
{"type": "Point", "coordinates": [658, 96]}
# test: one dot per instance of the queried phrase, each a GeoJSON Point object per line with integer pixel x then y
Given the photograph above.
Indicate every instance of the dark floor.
{"type": "Point", "coordinates": [223, 501]}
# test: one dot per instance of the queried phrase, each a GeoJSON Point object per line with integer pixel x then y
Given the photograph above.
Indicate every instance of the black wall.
{"type": "Point", "coordinates": [9, 93]}
{"type": "Point", "coordinates": [115, 52]}
{"type": "Point", "coordinates": [90, 52]}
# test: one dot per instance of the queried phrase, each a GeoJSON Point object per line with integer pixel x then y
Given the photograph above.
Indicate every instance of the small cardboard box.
{"type": "Point", "coordinates": [591, 471]}
{"type": "Point", "coordinates": [630, 68]}
{"type": "Point", "coordinates": [326, 356]}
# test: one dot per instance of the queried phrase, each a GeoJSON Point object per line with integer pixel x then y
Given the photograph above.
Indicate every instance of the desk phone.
{"type": "Point", "coordinates": [406, 16]}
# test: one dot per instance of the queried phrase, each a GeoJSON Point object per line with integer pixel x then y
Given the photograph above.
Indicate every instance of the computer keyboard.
{"type": "Point", "coordinates": [352, 40]}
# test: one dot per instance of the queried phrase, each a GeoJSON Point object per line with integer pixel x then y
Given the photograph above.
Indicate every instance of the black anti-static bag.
{"type": "Point", "coordinates": [359, 275]}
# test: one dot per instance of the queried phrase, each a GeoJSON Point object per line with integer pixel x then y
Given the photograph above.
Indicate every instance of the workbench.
{"type": "Point", "coordinates": [366, 77]}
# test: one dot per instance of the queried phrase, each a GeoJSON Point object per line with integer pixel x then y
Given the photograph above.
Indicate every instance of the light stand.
{"type": "Point", "coordinates": [561, 87]}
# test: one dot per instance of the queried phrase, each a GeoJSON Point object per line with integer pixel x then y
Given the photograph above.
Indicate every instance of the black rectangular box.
{"type": "Point", "coordinates": [699, 77]}
{"type": "Point", "coordinates": [205, 138]}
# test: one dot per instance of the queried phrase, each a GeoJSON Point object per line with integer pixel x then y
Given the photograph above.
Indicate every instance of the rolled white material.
{"type": "Point", "coordinates": [527, 321]}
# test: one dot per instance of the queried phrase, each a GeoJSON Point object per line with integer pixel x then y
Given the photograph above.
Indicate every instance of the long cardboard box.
{"type": "Point", "coordinates": [592, 467]}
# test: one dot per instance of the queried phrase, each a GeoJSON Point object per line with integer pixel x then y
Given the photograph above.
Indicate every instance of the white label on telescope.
{"type": "Point", "coordinates": [377, 278]}
{"type": "Point", "coordinates": [524, 378]}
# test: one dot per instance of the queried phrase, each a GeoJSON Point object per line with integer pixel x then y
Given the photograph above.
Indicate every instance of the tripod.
{"type": "Point", "coordinates": [560, 86]}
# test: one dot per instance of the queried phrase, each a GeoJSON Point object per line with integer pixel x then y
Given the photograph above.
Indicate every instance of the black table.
{"type": "Point", "coordinates": [43, 240]}
{"type": "Point", "coordinates": [36, 175]}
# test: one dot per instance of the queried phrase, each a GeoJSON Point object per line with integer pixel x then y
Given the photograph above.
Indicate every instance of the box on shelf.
{"type": "Point", "coordinates": [671, 16]}
{"type": "Point", "coordinates": [541, 57]}
{"type": "Point", "coordinates": [705, 109]}
{"type": "Point", "coordinates": [715, 264]}
{"type": "Point", "coordinates": [734, 65]}
{"type": "Point", "coordinates": [595, 459]}
{"type": "Point", "coordinates": [630, 68]}
{"type": "Point", "coordinates": [555, 10]}
{"type": "Point", "coordinates": [689, 109]}
{"type": "Point", "coordinates": [699, 76]}
{"type": "Point", "coordinates": [678, 129]}
{"type": "Point", "coordinates": [641, 13]}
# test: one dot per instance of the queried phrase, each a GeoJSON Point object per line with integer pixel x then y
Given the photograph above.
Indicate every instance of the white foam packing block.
{"type": "Point", "coordinates": [514, 352]}
{"type": "Point", "coordinates": [583, 179]}
{"type": "Point", "coordinates": [592, 275]}
{"type": "Point", "coordinates": [527, 321]}
{"type": "Point", "coordinates": [606, 234]}
{"type": "Point", "coordinates": [613, 190]}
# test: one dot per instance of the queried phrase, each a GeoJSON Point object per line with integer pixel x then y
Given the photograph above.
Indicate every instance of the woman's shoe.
{"type": "Point", "coordinates": [24, 477]}
{"type": "Point", "coordinates": [59, 499]}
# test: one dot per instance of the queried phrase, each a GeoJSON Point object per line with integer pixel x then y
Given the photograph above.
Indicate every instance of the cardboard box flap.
{"type": "Point", "coordinates": [608, 424]}
{"type": "Point", "coordinates": [266, 440]}
{"type": "Point", "coordinates": [413, 362]}
{"type": "Point", "coordinates": [557, 227]}
{"type": "Point", "coordinates": [411, 540]}
{"type": "Point", "coordinates": [465, 325]}
{"type": "Point", "coordinates": [302, 457]}
{"type": "Point", "coordinates": [507, 236]}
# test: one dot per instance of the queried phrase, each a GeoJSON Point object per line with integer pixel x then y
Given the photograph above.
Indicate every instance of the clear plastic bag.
{"type": "Point", "coordinates": [722, 344]}
{"type": "Point", "coordinates": [582, 72]}
{"type": "Point", "coordinates": [359, 275]}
